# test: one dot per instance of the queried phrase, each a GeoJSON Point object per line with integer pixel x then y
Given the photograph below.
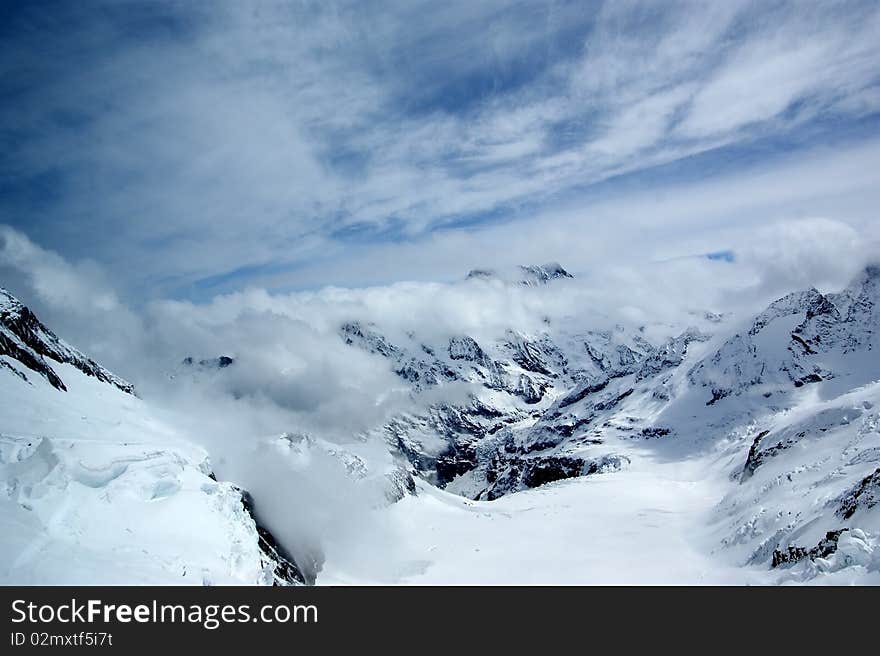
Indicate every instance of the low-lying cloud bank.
{"type": "Point", "coordinates": [295, 371]}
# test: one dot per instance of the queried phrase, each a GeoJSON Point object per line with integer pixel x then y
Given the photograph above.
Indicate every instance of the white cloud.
{"type": "Point", "coordinates": [803, 61]}
{"type": "Point", "coordinates": [79, 288]}
{"type": "Point", "coordinates": [642, 124]}
{"type": "Point", "coordinates": [249, 137]}
{"type": "Point", "coordinates": [156, 152]}
{"type": "Point", "coordinates": [293, 371]}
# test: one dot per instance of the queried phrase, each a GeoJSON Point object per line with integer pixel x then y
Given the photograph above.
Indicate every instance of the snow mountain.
{"type": "Point", "coordinates": [526, 275]}
{"type": "Point", "coordinates": [718, 449]}
{"type": "Point", "coordinates": [787, 403]}
{"type": "Point", "coordinates": [27, 341]}
{"type": "Point", "coordinates": [95, 488]}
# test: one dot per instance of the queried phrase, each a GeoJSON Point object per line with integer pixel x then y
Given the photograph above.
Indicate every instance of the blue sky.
{"type": "Point", "coordinates": [185, 149]}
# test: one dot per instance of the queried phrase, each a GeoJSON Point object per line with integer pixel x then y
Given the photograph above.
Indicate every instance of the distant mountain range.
{"type": "Point", "coordinates": [787, 399]}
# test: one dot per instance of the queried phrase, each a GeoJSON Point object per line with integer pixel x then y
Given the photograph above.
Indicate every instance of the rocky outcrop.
{"type": "Point", "coordinates": [669, 355]}
{"type": "Point", "coordinates": [220, 362]}
{"type": "Point", "coordinates": [422, 368]}
{"type": "Point", "coordinates": [442, 443]}
{"type": "Point", "coordinates": [507, 473]}
{"type": "Point", "coordinates": [275, 559]}
{"type": "Point", "coordinates": [766, 446]}
{"type": "Point", "coordinates": [521, 376]}
{"type": "Point", "coordinates": [542, 405]}
{"type": "Point", "coordinates": [792, 554]}
{"type": "Point", "coordinates": [865, 495]}
{"type": "Point", "coordinates": [25, 339]}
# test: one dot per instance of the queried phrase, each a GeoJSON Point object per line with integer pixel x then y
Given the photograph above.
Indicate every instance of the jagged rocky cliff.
{"type": "Point", "coordinates": [24, 339]}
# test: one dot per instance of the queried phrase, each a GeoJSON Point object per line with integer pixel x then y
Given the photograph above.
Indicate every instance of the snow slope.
{"type": "Point", "coordinates": [664, 519]}
{"type": "Point", "coordinates": [26, 341]}
{"type": "Point", "coordinates": [94, 490]}
{"type": "Point", "coordinates": [639, 526]}
{"type": "Point", "coordinates": [751, 457]}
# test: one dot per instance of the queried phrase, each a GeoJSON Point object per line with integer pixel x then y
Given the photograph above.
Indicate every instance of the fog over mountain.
{"type": "Point", "coordinates": [351, 427]}
{"type": "Point", "coordinates": [538, 292]}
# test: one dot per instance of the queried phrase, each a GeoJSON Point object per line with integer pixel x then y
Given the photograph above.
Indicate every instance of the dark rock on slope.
{"type": "Point", "coordinates": [866, 494]}
{"type": "Point", "coordinates": [284, 570]}
{"type": "Point", "coordinates": [25, 339]}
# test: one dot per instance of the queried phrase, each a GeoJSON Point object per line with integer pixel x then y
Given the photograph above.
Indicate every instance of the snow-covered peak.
{"type": "Point", "coordinates": [790, 304]}
{"type": "Point", "coordinates": [527, 275]}
{"type": "Point", "coordinates": [860, 301]}
{"type": "Point", "coordinates": [25, 341]}
{"type": "Point", "coordinates": [542, 274]}
{"type": "Point", "coordinates": [802, 338]}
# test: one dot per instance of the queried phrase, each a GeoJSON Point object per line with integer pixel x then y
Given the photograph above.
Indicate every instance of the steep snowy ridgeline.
{"type": "Point", "coordinates": [802, 339]}
{"type": "Point", "coordinates": [791, 399]}
{"type": "Point", "coordinates": [95, 490]}
{"type": "Point", "coordinates": [29, 343]}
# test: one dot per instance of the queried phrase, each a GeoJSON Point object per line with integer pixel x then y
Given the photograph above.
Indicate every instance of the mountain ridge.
{"type": "Point", "coordinates": [25, 339]}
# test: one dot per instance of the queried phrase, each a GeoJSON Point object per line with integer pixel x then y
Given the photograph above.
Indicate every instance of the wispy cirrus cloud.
{"type": "Point", "coordinates": [195, 148]}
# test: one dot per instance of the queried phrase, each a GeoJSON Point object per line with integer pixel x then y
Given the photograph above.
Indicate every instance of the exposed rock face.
{"type": "Point", "coordinates": [754, 459]}
{"type": "Point", "coordinates": [769, 444]}
{"type": "Point", "coordinates": [400, 485]}
{"type": "Point", "coordinates": [507, 473]}
{"type": "Point", "coordinates": [25, 339]}
{"type": "Point", "coordinates": [421, 368]}
{"type": "Point", "coordinates": [865, 495]}
{"type": "Point", "coordinates": [276, 561]}
{"type": "Point", "coordinates": [541, 275]}
{"type": "Point", "coordinates": [539, 402]}
{"type": "Point", "coordinates": [220, 362]}
{"type": "Point", "coordinates": [441, 444]}
{"type": "Point", "coordinates": [801, 339]}
{"type": "Point", "coordinates": [539, 356]}
{"type": "Point", "coordinates": [465, 348]}
{"type": "Point", "coordinates": [669, 355]}
{"type": "Point", "coordinates": [543, 393]}
{"type": "Point", "coordinates": [792, 554]}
